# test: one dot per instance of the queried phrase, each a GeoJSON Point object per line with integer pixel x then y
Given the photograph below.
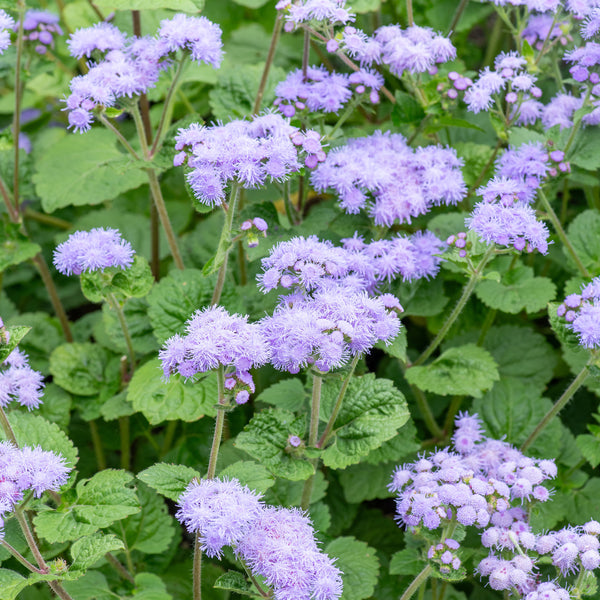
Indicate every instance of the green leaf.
{"type": "Point", "coordinates": [265, 438]}
{"type": "Point", "coordinates": [366, 481]}
{"type": "Point", "coordinates": [397, 347]}
{"type": "Point", "coordinates": [97, 171]}
{"type": "Point", "coordinates": [565, 336]}
{"type": "Point", "coordinates": [92, 586]}
{"type": "Point", "coordinates": [372, 412]}
{"type": "Point", "coordinates": [150, 587]}
{"type": "Point", "coordinates": [584, 235]}
{"type": "Point", "coordinates": [512, 409]}
{"type": "Point", "coordinates": [234, 581]}
{"type": "Point", "coordinates": [105, 498]}
{"type": "Point", "coordinates": [406, 110]}
{"type": "Point", "coordinates": [175, 298]}
{"type": "Point", "coordinates": [466, 371]}
{"type": "Point", "coordinates": [85, 369]}
{"type": "Point", "coordinates": [407, 562]}
{"type": "Point", "coordinates": [289, 493]}
{"type": "Point", "coordinates": [288, 394]}
{"type": "Point", "coordinates": [56, 526]}
{"type": "Point", "coordinates": [116, 407]}
{"type": "Point", "coordinates": [251, 3]}
{"type": "Point", "coordinates": [447, 121]}
{"type": "Point", "coordinates": [152, 529]}
{"type": "Point", "coordinates": [359, 565]}
{"type": "Point", "coordinates": [90, 549]}
{"type": "Point", "coordinates": [190, 6]}
{"type": "Point", "coordinates": [590, 448]}
{"type": "Point", "coordinates": [238, 84]}
{"type": "Point", "coordinates": [518, 290]}
{"type": "Point", "coordinates": [160, 400]}
{"type": "Point", "coordinates": [11, 584]}
{"type": "Point", "coordinates": [586, 153]}
{"type": "Point", "coordinates": [15, 247]}
{"type": "Point", "coordinates": [249, 473]}
{"type": "Point", "coordinates": [400, 446]}
{"type": "Point", "coordinates": [15, 335]}
{"type": "Point", "coordinates": [363, 6]}
{"type": "Point", "coordinates": [33, 430]}
{"type": "Point", "coordinates": [167, 479]}
{"type": "Point", "coordinates": [422, 298]}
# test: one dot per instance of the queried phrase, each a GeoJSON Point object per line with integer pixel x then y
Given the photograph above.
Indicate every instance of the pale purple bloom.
{"type": "Point", "coordinates": [280, 546]}
{"type": "Point", "coordinates": [94, 250]}
{"type": "Point", "coordinates": [559, 111]}
{"type": "Point", "coordinates": [220, 511]}
{"type": "Point", "coordinates": [197, 35]}
{"type": "Point", "coordinates": [539, 28]}
{"type": "Point", "coordinates": [331, 12]}
{"type": "Point", "coordinates": [582, 313]}
{"type": "Point", "coordinates": [213, 337]}
{"type": "Point", "coordinates": [20, 382]}
{"type": "Point", "coordinates": [249, 152]}
{"type": "Point", "coordinates": [548, 590]}
{"type": "Point", "coordinates": [39, 28]}
{"type": "Point", "coordinates": [384, 175]}
{"type": "Point", "coordinates": [100, 36]}
{"type": "Point", "coordinates": [6, 25]}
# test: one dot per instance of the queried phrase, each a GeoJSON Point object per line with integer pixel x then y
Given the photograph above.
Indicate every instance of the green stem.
{"type": "Point", "coordinates": [59, 590]}
{"type": "Point", "coordinates": [20, 558]}
{"type": "Point", "coordinates": [124, 434]}
{"type": "Point", "coordinates": [548, 36]}
{"type": "Point", "coordinates": [34, 215]}
{"type": "Point", "coordinates": [416, 583]}
{"type": "Point", "coordinates": [576, 125]}
{"type": "Point", "coordinates": [305, 54]}
{"type": "Point", "coordinates": [561, 233]}
{"type": "Point", "coordinates": [102, 118]}
{"type": "Point", "coordinates": [457, 15]}
{"type": "Point", "coordinates": [156, 192]}
{"type": "Point", "coordinates": [345, 116]}
{"type": "Point", "coordinates": [123, 572]}
{"type": "Point", "coordinates": [270, 56]}
{"type": "Point", "coordinates": [219, 423]}
{"type": "Point", "coordinates": [493, 43]}
{"type": "Point", "coordinates": [225, 243]}
{"type": "Point", "coordinates": [97, 443]}
{"type": "Point", "coordinates": [167, 108]}
{"type": "Point", "coordinates": [409, 13]}
{"type": "Point", "coordinates": [18, 97]}
{"type": "Point", "coordinates": [116, 306]}
{"type": "Point", "coordinates": [197, 568]}
{"type": "Point", "coordinates": [452, 410]}
{"type": "Point", "coordinates": [290, 209]}
{"type": "Point", "coordinates": [169, 435]}
{"type": "Point", "coordinates": [485, 327]}
{"type": "Point", "coordinates": [127, 550]}
{"type": "Point", "coordinates": [466, 294]}
{"type": "Point", "coordinates": [8, 430]}
{"type": "Point", "coordinates": [313, 434]}
{"type": "Point", "coordinates": [338, 404]}
{"type": "Point", "coordinates": [559, 405]}
{"type": "Point", "coordinates": [30, 539]}
{"type": "Point", "coordinates": [426, 413]}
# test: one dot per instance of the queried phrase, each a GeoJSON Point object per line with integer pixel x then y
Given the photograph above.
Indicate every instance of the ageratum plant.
{"type": "Point", "coordinates": [299, 300]}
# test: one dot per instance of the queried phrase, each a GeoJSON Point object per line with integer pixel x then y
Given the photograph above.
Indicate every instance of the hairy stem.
{"type": "Point", "coordinates": [30, 539]}
{"type": "Point", "coordinates": [8, 430]}
{"type": "Point", "coordinates": [270, 55]}
{"type": "Point", "coordinates": [20, 557]}
{"type": "Point", "coordinates": [197, 568]}
{"type": "Point", "coordinates": [338, 404]}
{"type": "Point", "coordinates": [416, 583]}
{"type": "Point", "coordinates": [313, 434]}
{"type": "Point", "coordinates": [457, 15]}
{"type": "Point", "coordinates": [102, 118]}
{"type": "Point", "coordinates": [225, 243]}
{"type": "Point", "coordinates": [561, 233]}
{"type": "Point", "coordinates": [466, 294]}
{"type": "Point", "coordinates": [124, 434]}
{"type": "Point", "coordinates": [123, 572]}
{"type": "Point", "coordinates": [116, 306]}
{"type": "Point", "coordinates": [559, 404]}
{"type": "Point", "coordinates": [426, 413]}
{"type": "Point", "coordinates": [409, 13]}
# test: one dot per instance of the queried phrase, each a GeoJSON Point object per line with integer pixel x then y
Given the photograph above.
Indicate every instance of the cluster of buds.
{"type": "Point", "coordinates": [310, 141]}
{"type": "Point", "coordinates": [444, 554]}
{"type": "Point", "coordinates": [459, 241]}
{"type": "Point", "coordinates": [253, 228]}
{"type": "Point", "coordinates": [40, 27]}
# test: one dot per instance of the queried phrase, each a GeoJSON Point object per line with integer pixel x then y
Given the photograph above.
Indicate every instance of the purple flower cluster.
{"type": "Point", "coordinates": [329, 12]}
{"type": "Point", "coordinates": [489, 484]}
{"type": "Point", "coordinates": [326, 329]}
{"type": "Point", "coordinates": [247, 152]}
{"type": "Point", "coordinates": [413, 50]}
{"type": "Point", "coordinates": [527, 166]}
{"type": "Point", "coordinates": [532, 5]}
{"type": "Point", "coordinates": [215, 338]}
{"type": "Point", "coordinates": [276, 543]}
{"type": "Point", "coordinates": [20, 382]}
{"type": "Point", "coordinates": [543, 26]}
{"type": "Point", "coordinates": [23, 469]}
{"type": "Point", "coordinates": [510, 76]}
{"type": "Point", "coordinates": [582, 314]}
{"type": "Point", "coordinates": [253, 228]}
{"type": "Point", "coordinates": [583, 59]}
{"type": "Point", "coordinates": [94, 250]}
{"type": "Point", "coordinates": [308, 263]}
{"type": "Point", "coordinates": [444, 554]}
{"type": "Point", "coordinates": [6, 25]}
{"type": "Point", "coordinates": [40, 27]}
{"type": "Point", "coordinates": [383, 174]}
{"type": "Point", "coordinates": [128, 67]}
{"type": "Point", "coordinates": [324, 91]}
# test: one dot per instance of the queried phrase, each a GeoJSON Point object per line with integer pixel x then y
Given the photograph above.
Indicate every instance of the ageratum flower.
{"type": "Point", "coordinates": [23, 469]}
{"type": "Point", "coordinates": [131, 66]}
{"type": "Point", "coordinates": [40, 27]}
{"type": "Point", "coordinates": [582, 313]}
{"type": "Point", "coordinates": [280, 546]}
{"type": "Point", "coordinates": [248, 152]}
{"type": "Point", "coordinates": [394, 183]}
{"type": "Point", "coordinates": [94, 250]}
{"type": "Point", "coordinates": [330, 12]}
{"type": "Point", "coordinates": [328, 328]}
{"type": "Point", "coordinates": [20, 382]}
{"type": "Point", "coordinates": [215, 338]}
{"type": "Point", "coordinates": [219, 510]}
